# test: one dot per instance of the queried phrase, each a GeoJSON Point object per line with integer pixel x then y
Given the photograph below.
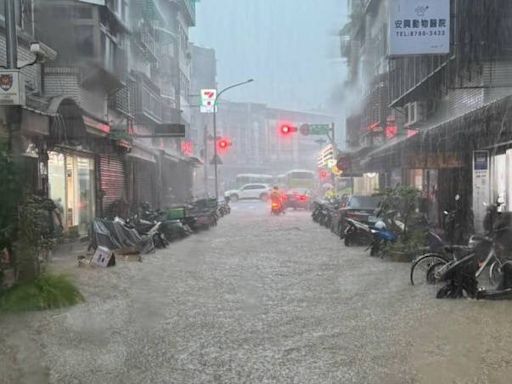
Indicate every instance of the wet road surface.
{"type": "Point", "coordinates": [258, 299]}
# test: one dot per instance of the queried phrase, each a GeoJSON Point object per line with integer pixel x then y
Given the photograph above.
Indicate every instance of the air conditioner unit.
{"type": "Point", "coordinates": [419, 111]}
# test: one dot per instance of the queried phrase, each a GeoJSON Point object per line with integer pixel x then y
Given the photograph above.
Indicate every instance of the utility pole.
{"type": "Point", "coordinates": [11, 38]}
{"type": "Point", "coordinates": [332, 139]}
{"type": "Point", "coordinates": [205, 143]}
{"type": "Point", "coordinates": [215, 154]}
{"type": "Point", "coordinates": [12, 113]}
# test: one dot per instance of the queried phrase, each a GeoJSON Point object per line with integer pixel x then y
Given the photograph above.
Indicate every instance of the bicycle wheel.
{"type": "Point", "coordinates": [421, 272]}
{"type": "Point", "coordinates": [495, 274]}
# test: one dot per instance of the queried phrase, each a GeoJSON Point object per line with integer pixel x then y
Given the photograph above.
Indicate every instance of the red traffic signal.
{"type": "Point", "coordinates": [287, 128]}
{"type": "Point", "coordinates": [223, 144]}
{"type": "Point", "coordinates": [324, 174]}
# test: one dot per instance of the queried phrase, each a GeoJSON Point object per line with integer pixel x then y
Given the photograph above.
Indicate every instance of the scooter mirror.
{"type": "Point", "coordinates": [457, 197]}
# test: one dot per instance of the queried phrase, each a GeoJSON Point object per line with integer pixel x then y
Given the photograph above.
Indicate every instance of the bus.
{"type": "Point", "coordinates": [300, 178]}
{"type": "Point", "coordinates": [249, 178]}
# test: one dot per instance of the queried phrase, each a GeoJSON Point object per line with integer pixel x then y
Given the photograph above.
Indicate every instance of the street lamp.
{"type": "Point", "coordinates": [215, 156]}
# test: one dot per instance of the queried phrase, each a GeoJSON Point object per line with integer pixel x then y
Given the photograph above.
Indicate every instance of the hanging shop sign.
{"type": "Point", "coordinates": [419, 27]}
{"type": "Point", "coordinates": [12, 88]}
{"type": "Point", "coordinates": [481, 187]}
{"type": "Point", "coordinates": [187, 147]}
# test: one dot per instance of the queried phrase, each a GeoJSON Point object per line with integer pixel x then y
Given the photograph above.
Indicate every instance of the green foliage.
{"type": "Point", "coordinates": [409, 246]}
{"type": "Point", "coordinates": [36, 235]}
{"type": "Point", "coordinates": [121, 135]}
{"type": "Point", "coordinates": [403, 200]}
{"type": "Point", "coordinates": [45, 292]}
{"type": "Point", "coordinates": [10, 192]}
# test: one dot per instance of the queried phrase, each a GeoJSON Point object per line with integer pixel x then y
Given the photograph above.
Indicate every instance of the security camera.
{"type": "Point", "coordinates": [42, 52]}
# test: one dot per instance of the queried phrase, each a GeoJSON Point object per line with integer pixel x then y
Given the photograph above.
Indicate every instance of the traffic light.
{"type": "Point", "coordinates": [223, 145]}
{"type": "Point", "coordinates": [324, 174]}
{"type": "Point", "coordinates": [286, 128]}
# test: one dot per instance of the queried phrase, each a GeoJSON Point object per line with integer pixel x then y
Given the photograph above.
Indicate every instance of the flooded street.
{"type": "Point", "coordinates": [258, 299]}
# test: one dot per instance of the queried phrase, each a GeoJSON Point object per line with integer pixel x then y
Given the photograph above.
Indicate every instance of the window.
{"type": "Point", "coordinates": [84, 35]}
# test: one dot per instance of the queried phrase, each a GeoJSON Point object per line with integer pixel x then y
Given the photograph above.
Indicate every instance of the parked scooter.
{"type": "Point", "coordinates": [150, 228]}
{"type": "Point", "coordinates": [461, 275]}
{"type": "Point", "coordinates": [357, 233]}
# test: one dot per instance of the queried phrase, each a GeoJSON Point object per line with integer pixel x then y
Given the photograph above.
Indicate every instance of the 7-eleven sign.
{"type": "Point", "coordinates": [208, 97]}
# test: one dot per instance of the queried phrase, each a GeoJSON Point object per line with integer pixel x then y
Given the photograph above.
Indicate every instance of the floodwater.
{"type": "Point", "coordinates": [259, 299]}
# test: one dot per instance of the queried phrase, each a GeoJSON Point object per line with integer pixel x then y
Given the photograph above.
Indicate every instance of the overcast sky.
{"type": "Point", "coordinates": [287, 46]}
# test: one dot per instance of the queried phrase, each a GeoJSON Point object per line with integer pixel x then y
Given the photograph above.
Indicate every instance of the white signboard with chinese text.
{"type": "Point", "coordinates": [12, 88]}
{"type": "Point", "coordinates": [481, 187]}
{"type": "Point", "coordinates": [208, 99]}
{"type": "Point", "coordinates": [419, 27]}
{"type": "Point", "coordinates": [211, 109]}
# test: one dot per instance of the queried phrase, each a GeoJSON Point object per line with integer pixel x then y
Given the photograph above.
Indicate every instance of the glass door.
{"type": "Point", "coordinates": [86, 196]}
{"type": "Point", "coordinates": [57, 181]}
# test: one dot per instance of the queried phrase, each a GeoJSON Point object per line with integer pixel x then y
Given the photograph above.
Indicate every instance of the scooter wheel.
{"type": "Point", "coordinates": [347, 241]}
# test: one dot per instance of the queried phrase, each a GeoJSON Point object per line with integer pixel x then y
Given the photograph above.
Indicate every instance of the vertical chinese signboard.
{"type": "Point", "coordinates": [481, 187]}
{"type": "Point", "coordinates": [419, 27]}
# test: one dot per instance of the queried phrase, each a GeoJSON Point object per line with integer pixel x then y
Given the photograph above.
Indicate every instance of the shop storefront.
{"type": "Point", "coordinates": [141, 171]}
{"type": "Point", "coordinates": [71, 167]}
{"type": "Point", "coordinates": [71, 179]}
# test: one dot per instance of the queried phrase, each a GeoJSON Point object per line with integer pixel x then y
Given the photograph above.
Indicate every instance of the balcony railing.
{"type": "Point", "coordinates": [147, 99]}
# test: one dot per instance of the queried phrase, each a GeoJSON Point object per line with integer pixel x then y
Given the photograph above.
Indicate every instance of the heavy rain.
{"type": "Point", "coordinates": [270, 191]}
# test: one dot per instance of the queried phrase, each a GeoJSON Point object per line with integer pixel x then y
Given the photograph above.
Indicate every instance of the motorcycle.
{"type": "Point", "coordinates": [149, 228]}
{"type": "Point", "coordinates": [382, 236]}
{"type": "Point", "coordinates": [277, 208]}
{"type": "Point", "coordinates": [461, 275]}
{"type": "Point", "coordinates": [357, 233]}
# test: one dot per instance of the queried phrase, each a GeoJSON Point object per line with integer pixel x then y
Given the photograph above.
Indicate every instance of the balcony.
{"type": "Point", "coordinates": [147, 42]}
{"type": "Point", "coordinates": [147, 99]}
{"type": "Point", "coordinates": [109, 71]}
{"type": "Point", "coordinates": [189, 9]}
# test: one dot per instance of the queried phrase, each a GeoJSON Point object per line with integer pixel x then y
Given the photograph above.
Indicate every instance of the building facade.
{"type": "Point", "coordinates": [121, 71]}
{"type": "Point", "coordinates": [435, 113]}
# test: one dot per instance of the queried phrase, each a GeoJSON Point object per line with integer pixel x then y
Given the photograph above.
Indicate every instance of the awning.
{"type": "Point", "coordinates": [96, 127]}
{"type": "Point", "coordinates": [141, 152]}
{"type": "Point", "coordinates": [34, 122]}
{"type": "Point", "coordinates": [194, 161]}
{"type": "Point", "coordinates": [171, 157]}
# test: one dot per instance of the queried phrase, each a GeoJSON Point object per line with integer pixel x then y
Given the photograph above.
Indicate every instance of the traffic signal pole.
{"type": "Point", "coordinates": [215, 154]}
{"type": "Point", "coordinates": [332, 139]}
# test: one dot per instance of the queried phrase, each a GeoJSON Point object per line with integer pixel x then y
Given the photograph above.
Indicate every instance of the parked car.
{"type": "Point", "coordinates": [360, 208]}
{"type": "Point", "coordinates": [250, 191]}
{"type": "Point", "coordinates": [298, 198]}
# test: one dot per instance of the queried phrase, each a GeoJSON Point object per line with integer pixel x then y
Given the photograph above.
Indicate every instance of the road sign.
{"type": "Point", "coordinates": [208, 97]}
{"type": "Point", "coordinates": [315, 129]}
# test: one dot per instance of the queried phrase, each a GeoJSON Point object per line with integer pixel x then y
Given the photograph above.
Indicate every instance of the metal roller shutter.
{"type": "Point", "coordinates": [113, 180]}
{"type": "Point", "coordinates": [145, 182]}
